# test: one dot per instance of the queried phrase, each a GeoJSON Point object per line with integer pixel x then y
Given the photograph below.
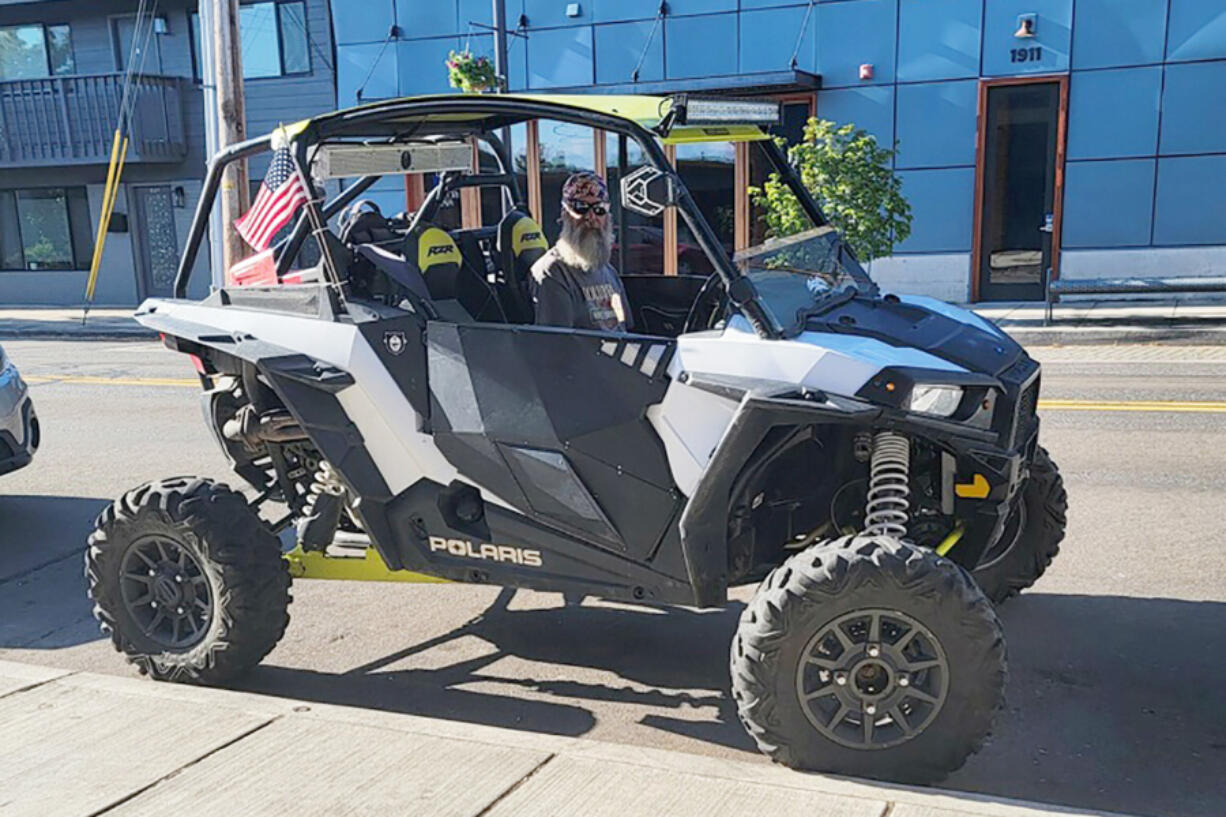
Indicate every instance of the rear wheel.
{"type": "Point", "coordinates": [871, 657]}
{"type": "Point", "coordinates": [1032, 534]}
{"type": "Point", "coordinates": [187, 580]}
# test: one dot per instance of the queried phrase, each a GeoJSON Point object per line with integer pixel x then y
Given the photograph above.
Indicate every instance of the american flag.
{"type": "Point", "coordinates": [281, 194]}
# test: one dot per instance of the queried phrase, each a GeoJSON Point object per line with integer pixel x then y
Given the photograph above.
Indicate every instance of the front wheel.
{"type": "Point", "coordinates": [869, 656]}
{"type": "Point", "coordinates": [1032, 534]}
{"type": "Point", "coordinates": [187, 581]}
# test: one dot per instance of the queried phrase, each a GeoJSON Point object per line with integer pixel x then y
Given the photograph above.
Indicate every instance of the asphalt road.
{"type": "Point", "coordinates": [1116, 657]}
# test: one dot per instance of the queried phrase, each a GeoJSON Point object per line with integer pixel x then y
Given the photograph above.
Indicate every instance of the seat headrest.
{"type": "Point", "coordinates": [519, 233]}
{"type": "Point", "coordinates": [431, 248]}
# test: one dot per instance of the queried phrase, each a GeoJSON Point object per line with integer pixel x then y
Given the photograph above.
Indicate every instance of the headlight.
{"type": "Point", "coordinates": [939, 400]}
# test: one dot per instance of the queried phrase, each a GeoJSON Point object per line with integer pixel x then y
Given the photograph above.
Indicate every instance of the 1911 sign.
{"type": "Point", "coordinates": [1032, 54]}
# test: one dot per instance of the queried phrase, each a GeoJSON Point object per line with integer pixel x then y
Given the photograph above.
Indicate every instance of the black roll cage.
{"type": "Point", "coordinates": [506, 110]}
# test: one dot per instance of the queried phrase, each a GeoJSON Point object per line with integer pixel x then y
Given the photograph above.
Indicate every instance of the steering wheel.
{"type": "Point", "coordinates": [709, 307]}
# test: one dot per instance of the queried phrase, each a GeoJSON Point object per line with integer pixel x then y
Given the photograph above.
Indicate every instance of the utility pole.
{"type": "Point", "coordinates": [500, 71]}
{"type": "Point", "coordinates": [231, 122]}
{"type": "Point", "coordinates": [216, 258]}
{"type": "Point", "coordinates": [500, 44]}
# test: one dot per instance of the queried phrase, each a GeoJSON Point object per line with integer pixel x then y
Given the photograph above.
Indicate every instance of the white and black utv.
{"type": "Point", "coordinates": [871, 460]}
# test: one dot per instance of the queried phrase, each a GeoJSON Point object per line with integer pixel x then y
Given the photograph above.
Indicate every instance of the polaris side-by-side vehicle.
{"type": "Point", "coordinates": [871, 460]}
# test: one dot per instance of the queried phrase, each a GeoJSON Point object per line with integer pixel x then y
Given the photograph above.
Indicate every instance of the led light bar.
{"type": "Point", "coordinates": [719, 111]}
{"type": "Point", "coordinates": [339, 161]}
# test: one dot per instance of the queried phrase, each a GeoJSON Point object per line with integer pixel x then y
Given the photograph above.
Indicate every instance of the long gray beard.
{"type": "Point", "coordinates": [584, 247]}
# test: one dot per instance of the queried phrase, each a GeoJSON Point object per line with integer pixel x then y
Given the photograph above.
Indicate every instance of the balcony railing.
{"type": "Point", "coordinates": [71, 120]}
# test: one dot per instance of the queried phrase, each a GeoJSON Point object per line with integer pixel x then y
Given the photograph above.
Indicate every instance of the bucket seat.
{"type": "Point", "coordinates": [521, 241]}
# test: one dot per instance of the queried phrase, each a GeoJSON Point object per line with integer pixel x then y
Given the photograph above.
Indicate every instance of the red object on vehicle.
{"type": "Point", "coordinates": [260, 270]}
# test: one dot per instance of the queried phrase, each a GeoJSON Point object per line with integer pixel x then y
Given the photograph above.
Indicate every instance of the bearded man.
{"type": "Point", "coordinates": [574, 284]}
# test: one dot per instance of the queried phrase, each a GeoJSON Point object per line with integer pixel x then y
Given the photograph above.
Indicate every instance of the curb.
{"type": "Point", "coordinates": [23, 330]}
{"type": "Point", "coordinates": [1116, 335]}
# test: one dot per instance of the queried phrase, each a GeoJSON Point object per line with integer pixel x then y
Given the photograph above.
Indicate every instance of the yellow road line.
{"type": "Point", "coordinates": [115, 381]}
{"type": "Point", "coordinates": [1204, 406]}
{"type": "Point", "coordinates": [1134, 405]}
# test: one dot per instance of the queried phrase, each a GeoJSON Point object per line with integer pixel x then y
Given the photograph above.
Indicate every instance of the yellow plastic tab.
{"type": "Point", "coordinates": [369, 567]}
{"type": "Point", "coordinates": [977, 488]}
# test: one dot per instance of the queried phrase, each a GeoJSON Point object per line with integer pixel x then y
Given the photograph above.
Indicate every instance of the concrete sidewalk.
{"type": "Point", "coordinates": [1177, 320]}
{"type": "Point", "coordinates": [83, 745]}
{"type": "Point", "coordinates": [66, 323]}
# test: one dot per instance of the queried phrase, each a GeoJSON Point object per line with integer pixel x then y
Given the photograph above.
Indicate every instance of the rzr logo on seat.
{"type": "Point", "coordinates": [441, 249]}
{"type": "Point", "coordinates": [531, 237]}
{"type": "Point", "coordinates": [493, 553]}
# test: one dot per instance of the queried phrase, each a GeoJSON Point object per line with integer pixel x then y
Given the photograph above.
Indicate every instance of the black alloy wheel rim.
{"type": "Point", "coordinates": [872, 679]}
{"type": "Point", "coordinates": [166, 592]}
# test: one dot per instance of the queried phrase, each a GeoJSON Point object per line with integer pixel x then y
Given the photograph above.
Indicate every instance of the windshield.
{"type": "Point", "coordinates": [795, 274]}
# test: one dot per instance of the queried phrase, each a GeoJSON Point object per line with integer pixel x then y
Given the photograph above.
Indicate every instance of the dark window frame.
{"type": "Point", "coordinates": [193, 22]}
{"type": "Point", "coordinates": [51, 74]}
{"type": "Point", "coordinates": [79, 264]}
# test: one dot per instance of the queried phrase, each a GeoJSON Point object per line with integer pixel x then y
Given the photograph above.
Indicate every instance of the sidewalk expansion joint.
{"type": "Point", "coordinates": [219, 748]}
{"type": "Point", "coordinates": [36, 685]}
{"type": "Point", "coordinates": [514, 786]}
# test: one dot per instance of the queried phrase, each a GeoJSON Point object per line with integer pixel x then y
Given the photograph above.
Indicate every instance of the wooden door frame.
{"type": "Point", "coordinates": [981, 141]}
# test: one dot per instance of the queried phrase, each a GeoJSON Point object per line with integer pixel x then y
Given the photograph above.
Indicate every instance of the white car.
{"type": "Point", "coordinates": [19, 431]}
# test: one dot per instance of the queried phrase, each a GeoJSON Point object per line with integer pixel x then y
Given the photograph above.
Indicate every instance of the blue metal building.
{"type": "Point", "coordinates": [1084, 135]}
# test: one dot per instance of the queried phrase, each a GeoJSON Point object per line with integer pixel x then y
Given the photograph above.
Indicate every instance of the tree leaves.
{"type": "Point", "coordinates": [853, 181]}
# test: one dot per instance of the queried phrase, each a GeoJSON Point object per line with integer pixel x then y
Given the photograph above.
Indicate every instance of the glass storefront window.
{"type": "Point", "coordinates": [641, 236]}
{"type": "Point", "coordinates": [518, 149]}
{"type": "Point", "coordinates": [565, 149]}
{"type": "Point", "coordinates": [709, 173]}
{"type": "Point", "coordinates": [44, 229]}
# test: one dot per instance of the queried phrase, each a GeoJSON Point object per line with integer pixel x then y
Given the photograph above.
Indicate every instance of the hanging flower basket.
{"type": "Point", "coordinates": [471, 74]}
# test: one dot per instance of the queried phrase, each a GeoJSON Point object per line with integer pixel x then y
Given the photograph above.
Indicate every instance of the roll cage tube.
{"type": "Point", "coordinates": [204, 206]}
{"type": "Point", "coordinates": [741, 290]}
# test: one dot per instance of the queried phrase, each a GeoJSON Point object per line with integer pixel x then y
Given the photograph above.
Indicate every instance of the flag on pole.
{"type": "Point", "coordinates": [281, 194]}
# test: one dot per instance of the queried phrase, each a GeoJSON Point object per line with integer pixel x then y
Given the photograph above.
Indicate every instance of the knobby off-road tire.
{"type": "Point", "coordinates": [1032, 535]}
{"type": "Point", "coordinates": [196, 546]}
{"type": "Point", "coordinates": [954, 655]}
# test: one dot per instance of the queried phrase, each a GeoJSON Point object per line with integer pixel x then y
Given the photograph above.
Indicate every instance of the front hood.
{"type": "Point", "coordinates": [925, 324]}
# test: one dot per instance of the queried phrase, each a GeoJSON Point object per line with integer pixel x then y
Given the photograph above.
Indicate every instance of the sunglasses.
{"type": "Point", "coordinates": [582, 208]}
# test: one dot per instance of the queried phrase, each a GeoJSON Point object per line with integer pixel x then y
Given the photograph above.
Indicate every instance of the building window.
{"type": "Point", "coordinates": [275, 42]}
{"type": "Point", "coordinates": [44, 228]}
{"type": "Point", "coordinates": [35, 51]}
{"type": "Point", "coordinates": [708, 171]}
{"type": "Point", "coordinates": [564, 149]}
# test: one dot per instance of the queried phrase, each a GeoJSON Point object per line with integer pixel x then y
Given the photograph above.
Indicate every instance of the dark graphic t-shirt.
{"type": "Point", "coordinates": [583, 299]}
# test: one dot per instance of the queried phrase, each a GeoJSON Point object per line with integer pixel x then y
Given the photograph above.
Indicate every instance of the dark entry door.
{"type": "Point", "coordinates": [155, 242]}
{"type": "Point", "coordinates": [1021, 145]}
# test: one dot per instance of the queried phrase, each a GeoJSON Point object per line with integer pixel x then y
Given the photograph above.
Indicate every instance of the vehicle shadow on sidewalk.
{"type": "Point", "coordinates": [1112, 702]}
{"type": "Point", "coordinates": [43, 603]}
{"type": "Point", "coordinates": [628, 643]}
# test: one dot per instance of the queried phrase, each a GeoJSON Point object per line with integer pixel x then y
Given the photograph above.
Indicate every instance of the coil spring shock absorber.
{"type": "Point", "coordinates": [888, 486]}
{"type": "Point", "coordinates": [317, 527]}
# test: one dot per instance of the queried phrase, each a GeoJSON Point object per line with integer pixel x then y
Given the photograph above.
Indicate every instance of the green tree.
{"type": "Point", "coordinates": [851, 177]}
